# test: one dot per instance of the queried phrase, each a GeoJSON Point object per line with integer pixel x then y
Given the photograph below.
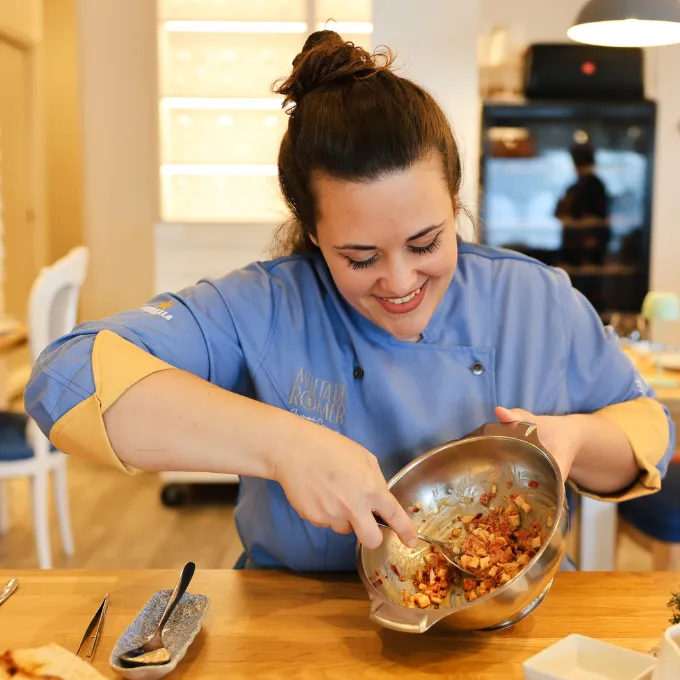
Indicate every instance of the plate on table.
{"type": "Point", "coordinates": [577, 657]}
{"type": "Point", "coordinates": [669, 360]}
{"type": "Point", "coordinates": [180, 631]}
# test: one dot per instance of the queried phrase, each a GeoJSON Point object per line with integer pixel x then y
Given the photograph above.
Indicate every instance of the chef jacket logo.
{"type": "Point", "coordinates": [315, 399]}
{"type": "Point", "coordinates": [159, 310]}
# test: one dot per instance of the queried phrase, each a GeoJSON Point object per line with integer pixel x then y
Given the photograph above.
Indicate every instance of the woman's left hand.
{"type": "Point", "coordinates": [561, 435]}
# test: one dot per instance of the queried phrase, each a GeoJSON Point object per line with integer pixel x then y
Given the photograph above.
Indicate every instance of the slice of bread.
{"type": "Point", "coordinates": [49, 662]}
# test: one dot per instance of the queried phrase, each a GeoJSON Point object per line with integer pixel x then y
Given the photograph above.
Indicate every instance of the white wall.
{"type": "Point", "coordinates": [665, 88]}
{"type": "Point", "coordinates": [436, 45]}
{"type": "Point", "coordinates": [528, 21]}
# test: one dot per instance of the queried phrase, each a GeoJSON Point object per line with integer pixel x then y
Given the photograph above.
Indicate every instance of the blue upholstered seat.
{"type": "Point", "coordinates": [13, 444]}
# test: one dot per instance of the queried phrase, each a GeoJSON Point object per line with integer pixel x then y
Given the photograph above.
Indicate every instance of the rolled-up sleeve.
{"type": "Point", "coordinates": [78, 377]}
{"type": "Point", "coordinates": [602, 380]}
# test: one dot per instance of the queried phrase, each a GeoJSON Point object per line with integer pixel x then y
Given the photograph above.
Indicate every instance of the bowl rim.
{"type": "Point", "coordinates": [486, 431]}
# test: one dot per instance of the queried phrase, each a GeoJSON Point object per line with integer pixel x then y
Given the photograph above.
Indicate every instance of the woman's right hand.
{"type": "Point", "coordinates": [332, 481]}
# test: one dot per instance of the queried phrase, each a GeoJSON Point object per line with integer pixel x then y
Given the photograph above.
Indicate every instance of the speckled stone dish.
{"type": "Point", "coordinates": [179, 633]}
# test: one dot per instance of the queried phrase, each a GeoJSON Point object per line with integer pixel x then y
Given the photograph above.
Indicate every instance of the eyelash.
{"type": "Point", "coordinates": [416, 250]}
{"type": "Point", "coordinates": [423, 250]}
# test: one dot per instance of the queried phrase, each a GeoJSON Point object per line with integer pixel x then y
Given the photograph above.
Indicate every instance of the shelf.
{"type": "Point", "coordinates": [221, 136]}
{"type": "Point", "coordinates": [342, 27]}
{"type": "Point", "coordinates": [258, 27]}
{"type": "Point", "coordinates": [218, 170]}
{"type": "Point", "coordinates": [272, 103]}
{"type": "Point", "coordinates": [220, 123]}
{"type": "Point", "coordinates": [225, 65]}
{"type": "Point", "coordinates": [599, 270]}
{"type": "Point", "coordinates": [222, 198]}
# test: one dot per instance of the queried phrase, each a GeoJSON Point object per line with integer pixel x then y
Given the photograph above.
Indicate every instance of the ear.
{"type": "Point", "coordinates": [314, 240]}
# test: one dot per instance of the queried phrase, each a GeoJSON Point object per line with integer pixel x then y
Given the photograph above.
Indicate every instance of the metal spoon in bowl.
{"type": "Point", "coordinates": [445, 548]}
{"type": "Point", "coordinates": [153, 651]}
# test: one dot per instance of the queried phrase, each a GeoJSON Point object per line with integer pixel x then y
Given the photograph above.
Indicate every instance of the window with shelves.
{"type": "Point", "coordinates": [220, 125]}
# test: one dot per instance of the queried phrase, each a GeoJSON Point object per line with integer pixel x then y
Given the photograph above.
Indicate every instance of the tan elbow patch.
{"type": "Point", "coordinates": [81, 433]}
{"type": "Point", "coordinates": [646, 426]}
{"type": "Point", "coordinates": [117, 365]}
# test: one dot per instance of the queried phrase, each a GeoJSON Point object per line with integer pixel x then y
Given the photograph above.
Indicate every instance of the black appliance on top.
{"type": "Point", "coordinates": [566, 173]}
{"type": "Point", "coordinates": [571, 71]}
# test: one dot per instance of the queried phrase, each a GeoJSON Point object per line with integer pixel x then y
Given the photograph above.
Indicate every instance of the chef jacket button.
{"type": "Point", "coordinates": [477, 368]}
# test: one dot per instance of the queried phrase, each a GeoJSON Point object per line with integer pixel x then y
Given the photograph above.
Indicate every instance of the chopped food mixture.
{"type": "Point", "coordinates": [432, 581]}
{"type": "Point", "coordinates": [493, 546]}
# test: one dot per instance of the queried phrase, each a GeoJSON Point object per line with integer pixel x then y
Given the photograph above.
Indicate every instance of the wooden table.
{"type": "Point", "coordinates": [278, 625]}
{"type": "Point", "coordinates": [13, 340]}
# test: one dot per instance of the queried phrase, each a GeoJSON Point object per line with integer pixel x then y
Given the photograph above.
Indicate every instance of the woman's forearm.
{"type": "Point", "coordinates": [604, 461]}
{"type": "Point", "coordinates": [172, 420]}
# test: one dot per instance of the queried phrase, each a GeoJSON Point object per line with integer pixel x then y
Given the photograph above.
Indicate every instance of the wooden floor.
{"type": "Point", "coordinates": [120, 522]}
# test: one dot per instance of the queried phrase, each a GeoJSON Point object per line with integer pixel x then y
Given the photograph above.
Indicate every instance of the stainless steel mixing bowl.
{"type": "Point", "coordinates": [448, 481]}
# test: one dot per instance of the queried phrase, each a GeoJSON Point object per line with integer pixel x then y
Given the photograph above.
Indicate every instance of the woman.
{"type": "Point", "coordinates": [318, 375]}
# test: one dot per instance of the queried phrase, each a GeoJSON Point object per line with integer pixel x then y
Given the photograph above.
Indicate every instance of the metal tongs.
{"type": "Point", "coordinates": [94, 629]}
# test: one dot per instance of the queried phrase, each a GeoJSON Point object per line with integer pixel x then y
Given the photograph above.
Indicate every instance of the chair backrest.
{"type": "Point", "coordinates": [53, 302]}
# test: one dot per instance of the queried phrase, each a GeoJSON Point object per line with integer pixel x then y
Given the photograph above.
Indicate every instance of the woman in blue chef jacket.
{"type": "Point", "coordinates": [378, 335]}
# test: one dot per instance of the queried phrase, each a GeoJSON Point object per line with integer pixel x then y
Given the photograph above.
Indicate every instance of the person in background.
{"type": "Point", "coordinates": [584, 212]}
{"type": "Point", "coordinates": [376, 335]}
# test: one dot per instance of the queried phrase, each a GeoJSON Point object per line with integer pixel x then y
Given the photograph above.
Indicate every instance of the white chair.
{"type": "Point", "coordinates": [24, 450]}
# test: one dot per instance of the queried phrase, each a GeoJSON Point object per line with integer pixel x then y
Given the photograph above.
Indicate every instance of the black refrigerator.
{"type": "Point", "coordinates": [570, 183]}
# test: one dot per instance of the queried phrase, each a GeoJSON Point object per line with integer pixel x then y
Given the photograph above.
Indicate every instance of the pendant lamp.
{"type": "Point", "coordinates": [628, 23]}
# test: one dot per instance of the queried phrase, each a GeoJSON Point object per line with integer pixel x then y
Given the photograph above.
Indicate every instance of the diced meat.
{"type": "Point", "coordinates": [493, 546]}
{"type": "Point", "coordinates": [423, 601]}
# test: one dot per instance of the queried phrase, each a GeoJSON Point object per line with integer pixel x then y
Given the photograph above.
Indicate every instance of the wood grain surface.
{"type": "Point", "coordinates": [281, 625]}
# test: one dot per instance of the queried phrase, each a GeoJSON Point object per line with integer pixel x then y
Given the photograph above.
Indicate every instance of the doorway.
{"type": "Point", "coordinates": [19, 261]}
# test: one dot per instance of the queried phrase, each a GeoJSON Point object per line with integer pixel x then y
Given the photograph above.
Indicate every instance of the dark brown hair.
{"type": "Point", "coordinates": [352, 117]}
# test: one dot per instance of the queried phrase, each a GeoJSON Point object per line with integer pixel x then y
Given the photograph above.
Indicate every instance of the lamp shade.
{"type": "Point", "coordinates": [628, 23]}
{"type": "Point", "coordinates": [659, 306]}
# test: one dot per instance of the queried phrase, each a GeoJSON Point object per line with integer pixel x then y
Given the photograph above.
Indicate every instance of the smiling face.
{"type": "Point", "coordinates": [390, 243]}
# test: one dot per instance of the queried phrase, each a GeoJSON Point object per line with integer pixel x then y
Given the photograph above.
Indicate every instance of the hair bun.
{"type": "Point", "coordinates": [327, 58]}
